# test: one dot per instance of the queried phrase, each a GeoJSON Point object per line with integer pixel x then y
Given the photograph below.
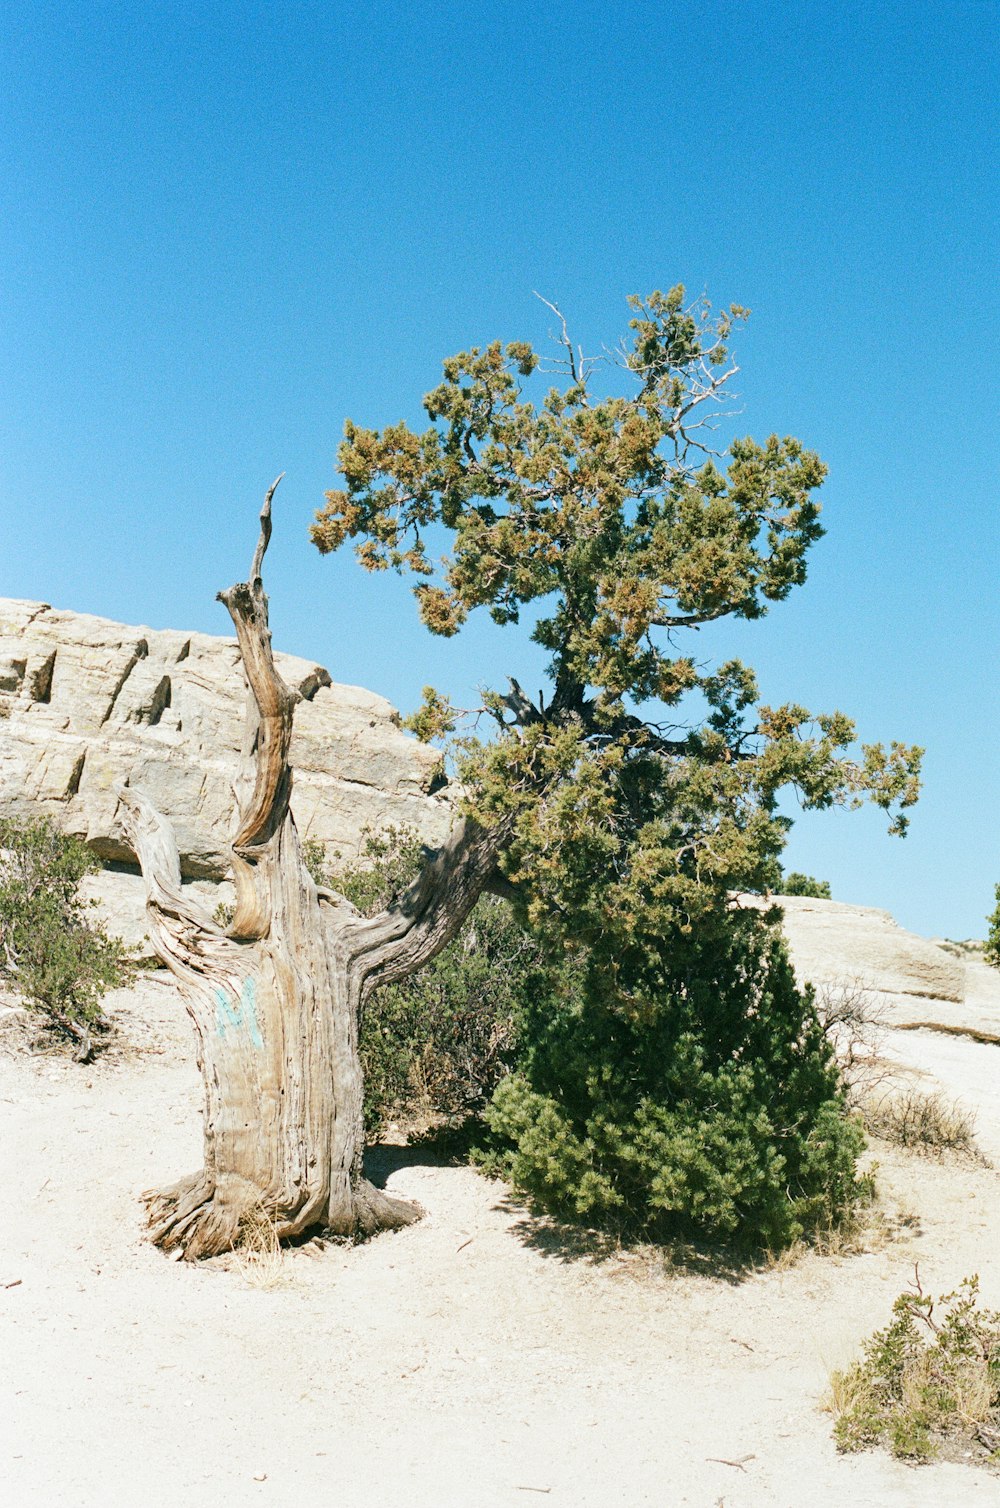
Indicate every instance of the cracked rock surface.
{"type": "Point", "coordinates": [86, 703]}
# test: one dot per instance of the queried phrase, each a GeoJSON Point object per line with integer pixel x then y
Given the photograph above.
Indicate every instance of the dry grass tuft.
{"type": "Point", "coordinates": [923, 1121]}
{"type": "Point", "coordinates": [259, 1258]}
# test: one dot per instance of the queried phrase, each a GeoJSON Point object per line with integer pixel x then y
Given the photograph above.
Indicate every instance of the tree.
{"type": "Point", "coordinates": [275, 998]}
{"type": "Point", "coordinates": [620, 813]}
{"type": "Point", "coordinates": [646, 788]}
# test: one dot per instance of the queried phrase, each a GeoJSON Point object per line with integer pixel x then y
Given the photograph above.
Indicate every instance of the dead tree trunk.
{"type": "Point", "coordinates": [276, 999]}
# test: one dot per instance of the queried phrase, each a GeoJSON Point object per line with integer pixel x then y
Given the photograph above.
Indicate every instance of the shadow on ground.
{"type": "Point", "coordinates": [562, 1240]}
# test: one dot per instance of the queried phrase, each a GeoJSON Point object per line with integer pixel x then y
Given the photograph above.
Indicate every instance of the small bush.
{"type": "Point", "coordinates": [931, 1375]}
{"type": "Point", "coordinates": [61, 962]}
{"type": "Point", "coordinates": [714, 1111]}
{"type": "Point", "coordinates": [804, 884]}
{"type": "Point", "coordinates": [441, 1040]}
{"type": "Point", "coordinates": [925, 1122]}
{"type": "Point", "coordinates": [854, 1021]}
{"type": "Point", "coordinates": [991, 949]}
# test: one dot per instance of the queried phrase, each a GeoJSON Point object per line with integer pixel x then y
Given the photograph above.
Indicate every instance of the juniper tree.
{"type": "Point", "coordinates": [645, 785]}
{"type": "Point", "coordinates": [621, 810]}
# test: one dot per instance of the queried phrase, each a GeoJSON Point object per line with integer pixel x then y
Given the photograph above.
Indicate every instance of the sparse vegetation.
{"type": "Point", "coordinates": [804, 884]}
{"type": "Point", "coordinates": [439, 1041]}
{"type": "Point", "coordinates": [61, 961]}
{"type": "Point", "coordinates": [854, 1021]}
{"type": "Point", "coordinates": [930, 1377]}
{"type": "Point", "coordinates": [258, 1254]}
{"type": "Point", "coordinates": [991, 948]}
{"type": "Point", "coordinates": [924, 1121]}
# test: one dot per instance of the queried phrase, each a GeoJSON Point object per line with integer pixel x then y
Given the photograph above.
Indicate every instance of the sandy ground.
{"type": "Point", "coordinates": [473, 1360]}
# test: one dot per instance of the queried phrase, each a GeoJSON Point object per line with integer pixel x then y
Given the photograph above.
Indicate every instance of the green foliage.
{"type": "Point", "coordinates": [673, 1075]}
{"type": "Point", "coordinates": [930, 1374]}
{"type": "Point", "coordinates": [804, 884]}
{"type": "Point", "coordinates": [60, 960]}
{"type": "Point", "coordinates": [991, 951]}
{"type": "Point", "coordinates": [389, 861]}
{"type": "Point", "coordinates": [440, 1040]}
{"type": "Point", "coordinates": [610, 512]}
{"type": "Point", "coordinates": [712, 1109]}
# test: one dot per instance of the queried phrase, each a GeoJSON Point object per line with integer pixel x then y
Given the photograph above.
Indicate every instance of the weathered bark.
{"type": "Point", "coordinates": [276, 999]}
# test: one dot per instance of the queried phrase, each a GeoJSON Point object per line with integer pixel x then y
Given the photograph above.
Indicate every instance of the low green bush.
{"type": "Point", "coordinates": [61, 961]}
{"type": "Point", "coordinates": [715, 1110]}
{"type": "Point", "coordinates": [931, 1376]}
{"type": "Point", "coordinates": [804, 884]}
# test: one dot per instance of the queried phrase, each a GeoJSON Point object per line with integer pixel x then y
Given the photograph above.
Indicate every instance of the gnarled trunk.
{"type": "Point", "coordinates": [276, 999]}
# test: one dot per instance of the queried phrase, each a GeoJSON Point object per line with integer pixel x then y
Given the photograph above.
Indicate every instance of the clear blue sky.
{"type": "Point", "coordinates": [228, 226]}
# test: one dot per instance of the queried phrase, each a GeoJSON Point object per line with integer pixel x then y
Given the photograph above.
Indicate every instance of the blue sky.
{"type": "Point", "coordinates": [228, 226]}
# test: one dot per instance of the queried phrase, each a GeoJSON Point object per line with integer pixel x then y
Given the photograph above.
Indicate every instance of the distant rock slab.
{"type": "Point", "coordinates": [86, 703]}
{"type": "Point", "coordinates": [832, 943]}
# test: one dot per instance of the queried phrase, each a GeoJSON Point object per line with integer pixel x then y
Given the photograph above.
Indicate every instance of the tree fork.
{"type": "Point", "coordinates": [276, 999]}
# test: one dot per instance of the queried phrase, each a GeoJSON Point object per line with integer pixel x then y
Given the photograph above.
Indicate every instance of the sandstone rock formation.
{"type": "Point", "coordinates": [830, 942]}
{"type": "Point", "coordinates": [86, 703]}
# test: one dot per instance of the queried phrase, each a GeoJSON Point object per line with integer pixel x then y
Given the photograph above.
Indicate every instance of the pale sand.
{"type": "Point", "coordinates": [466, 1362]}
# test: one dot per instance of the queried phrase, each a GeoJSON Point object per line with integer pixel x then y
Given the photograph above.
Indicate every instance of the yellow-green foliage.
{"type": "Point", "coordinates": [933, 1372]}
{"type": "Point", "coordinates": [59, 958]}
{"type": "Point", "coordinates": [644, 786]}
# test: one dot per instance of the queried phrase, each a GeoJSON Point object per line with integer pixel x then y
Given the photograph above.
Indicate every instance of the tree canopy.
{"type": "Point", "coordinates": [646, 785]}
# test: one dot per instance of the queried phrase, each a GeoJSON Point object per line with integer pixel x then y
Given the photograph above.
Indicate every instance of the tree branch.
{"type": "Point", "coordinates": [426, 917]}
{"type": "Point", "coordinates": [184, 934]}
{"type": "Point", "coordinates": [269, 737]}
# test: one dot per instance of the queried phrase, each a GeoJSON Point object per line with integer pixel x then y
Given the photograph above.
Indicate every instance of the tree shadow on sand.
{"type": "Point", "coordinates": [563, 1240]}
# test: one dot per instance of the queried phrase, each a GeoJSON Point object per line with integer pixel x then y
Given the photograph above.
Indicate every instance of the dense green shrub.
{"type": "Point", "coordinates": [440, 1040]}
{"type": "Point", "coordinates": [929, 1375]}
{"type": "Point", "coordinates": [804, 884]}
{"type": "Point", "coordinates": [712, 1109]}
{"type": "Point", "coordinates": [61, 961]}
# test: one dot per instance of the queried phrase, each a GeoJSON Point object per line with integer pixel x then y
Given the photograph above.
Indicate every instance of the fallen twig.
{"type": "Point", "coordinates": [739, 1464]}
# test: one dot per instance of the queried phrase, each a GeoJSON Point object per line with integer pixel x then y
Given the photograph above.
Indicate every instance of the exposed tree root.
{"type": "Point", "coordinates": [376, 1211]}
{"type": "Point", "coordinates": [203, 1218]}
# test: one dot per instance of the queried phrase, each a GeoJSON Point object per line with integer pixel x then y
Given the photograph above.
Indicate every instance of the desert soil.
{"type": "Point", "coordinates": [480, 1358]}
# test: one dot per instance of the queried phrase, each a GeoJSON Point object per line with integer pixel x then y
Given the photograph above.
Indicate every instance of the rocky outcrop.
{"type": "Point", "coordinates": [832, 943]}
{"type": "Point", "coordinates": [86, 703]}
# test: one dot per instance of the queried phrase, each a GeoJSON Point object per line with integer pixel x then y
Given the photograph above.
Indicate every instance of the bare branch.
{"type": "Point", "coordinates": [431, 911]}
{"type": "Point", "coordinates": [564, 339]}
{"type": "Point", "coordinates": [269, 737]}
{"type": "Point", "coordinates": [265, 533]}
{"type": "Point", "coordinates": [184, 934]}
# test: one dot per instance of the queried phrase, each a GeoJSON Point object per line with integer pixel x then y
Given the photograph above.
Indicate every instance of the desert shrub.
{"type": "Point", "coordinates": [924, 1121]}
{"type": "Point", "coordinates": [443, 1039]}
{"type": "Point", "coordinates": [804, 884]}
{"type": "Point", "coordinates": [991, 950]}
{"type": "Point", "coordinates": [440, 1040]}
{"type": "Point", "coordinates": [931, 1374]}
{"type": "Point", "coordinates": [61, 961]}
{"type": "Point", "coordinates": [713, 1109]}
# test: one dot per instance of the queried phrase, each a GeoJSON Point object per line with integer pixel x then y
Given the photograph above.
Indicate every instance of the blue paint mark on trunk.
{"type": "Point", "coordinates": [241, 1017]}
